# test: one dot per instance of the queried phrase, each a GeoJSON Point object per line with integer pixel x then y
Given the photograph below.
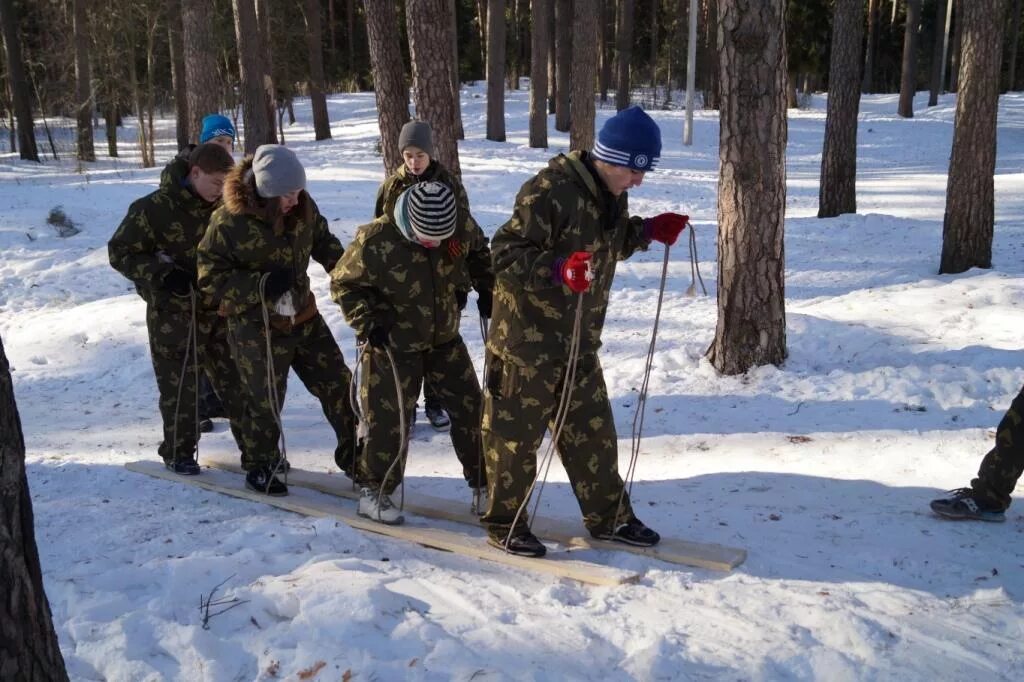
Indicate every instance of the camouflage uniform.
{"type": "Point", "coordinates": [565, 208]}
{"type": "Point", "coordinates": [384, 278]}
{"type": "Point", "coordinates": [239, 247]}
{"type": "Point", "coordinates": [161, 232]}
{"type": "Point", "coordinates": [1003, 465]}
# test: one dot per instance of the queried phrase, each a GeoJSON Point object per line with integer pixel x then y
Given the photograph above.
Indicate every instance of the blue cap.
{"type": "Point", "coordinates": [630, 138]}
{"type": "Point", "coordinates": [216, 125]}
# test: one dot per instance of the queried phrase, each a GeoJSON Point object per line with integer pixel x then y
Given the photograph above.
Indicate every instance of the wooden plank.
{"type": "Point", "coordinates": [468, 544]}
{"type": "Point", "coordinates": [672, 550]}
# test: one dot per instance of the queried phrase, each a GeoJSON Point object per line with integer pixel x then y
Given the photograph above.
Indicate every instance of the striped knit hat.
{"type": "Point", "coordinates": [426, 212]}
{"type": "Point", "coordinates": [630, 138]}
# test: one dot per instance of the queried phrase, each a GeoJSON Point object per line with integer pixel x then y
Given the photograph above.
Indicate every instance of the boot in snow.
{"type": "Point", "coordinates": [377, 506]}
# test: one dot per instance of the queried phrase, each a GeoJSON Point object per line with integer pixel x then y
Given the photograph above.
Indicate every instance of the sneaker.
{"type": "Point", "coordinates": [964, 505]}
{"type": "Point", "coordinates": [631, 533]}
{"type": "Point", "coordinates": [522, 543]}
{"type": "Point", "coordinates": [205, 425]}
{"type": "Point", "coordinates": [184, 467]}
{"type": "Point", "coordinates": [479, 504]}
{"type": "Point", "coordinates": [377, 506]}
{"type": "Point", "coordinates": [437, 417]}
{"type": "Point", "coordinates": [263, 480]}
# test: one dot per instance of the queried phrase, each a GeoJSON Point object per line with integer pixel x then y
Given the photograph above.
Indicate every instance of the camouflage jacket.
{"type": "Point", "coordinates": [385, 279]}
{"type": "Point", "coordinates": [477, 273]}
{"type": "Point", "coordinates": [160, 232]}
{"type": "Point", "coordinates": [564, 208]}
{"type": "Point", "coordinates": [239, 247]}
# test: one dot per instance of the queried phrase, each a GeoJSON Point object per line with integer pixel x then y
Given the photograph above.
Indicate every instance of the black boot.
{"type": "Point", "coordinates": [522, 543]}
{"type": "Point", "coordinates": [183, 467]}
{"type": "Point", "coordinates": [262, 480]}
{"type": "Point", "coordinates": [631, 533]}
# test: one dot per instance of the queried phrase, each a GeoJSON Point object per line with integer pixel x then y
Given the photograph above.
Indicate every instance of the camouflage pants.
{"type": "Point", "coordinates": [448, 371]}
{"type": "Point", "coordinates": [1003, 465]}
{"type": "Point", "coordinates": [519, 406]}
{"type": "Point", "coordinates": [168, 343]}
{"type": "Point", "coordinates": [310, 350]}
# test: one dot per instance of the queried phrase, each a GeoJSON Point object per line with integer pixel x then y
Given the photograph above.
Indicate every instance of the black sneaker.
{"type": "Point", "coordinates": [631, 533]}
{"type": "Point", "coordinates": [184, 467]}
{"type": "Point", "coordinates": [437, 417]}
{"type": "Point", "coordinates": [263, 480]}
{"type": "Point", "coordinates": [281, 466]}
{"type": "Point", "coordinates": [964, 505]}
{"type": "Point", "coordinates": [205, 425]}
{"type": "Point", "coordinates": [522, 543]}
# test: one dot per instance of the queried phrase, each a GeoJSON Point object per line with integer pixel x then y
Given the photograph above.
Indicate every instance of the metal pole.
{"type": "Point", "coordinates": [691, 70]}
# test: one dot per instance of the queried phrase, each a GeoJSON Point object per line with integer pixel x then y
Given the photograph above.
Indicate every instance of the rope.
{"type": "Point", "coordinates": [272, 396]}
{"type": "Point", "coordinates": [694, 268]}
{"type": "Point", "coordinates": [475, 504]}
{"type": "Point", "coordinates": [404, 447]}
{"type": "Point", "coordinates": [190, 344]}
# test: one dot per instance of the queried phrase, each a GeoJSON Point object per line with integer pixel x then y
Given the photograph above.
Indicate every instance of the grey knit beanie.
{"type": "Point", "coordinates": [416, 134]}
{"type": "Point", "coordinates": [277, 171]}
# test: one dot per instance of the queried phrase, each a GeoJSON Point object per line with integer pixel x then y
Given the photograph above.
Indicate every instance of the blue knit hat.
{"type": "Point", "coordinates": [630, 138]}
{"type": "Point", "coordinates": [216, 125]}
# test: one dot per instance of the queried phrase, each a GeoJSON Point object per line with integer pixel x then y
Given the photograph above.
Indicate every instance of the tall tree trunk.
{"type": "Point", "coordinates": [624, 41]}
{"type": "Point", "coordinates": [712, 79]}
{"type": "Point", "coordinates": [908, 78]}
{"type": "Point", "coordinates": [314, 44]}
{"type": "Point", "coordinates": [585, 47]}
{"type": "Point", "coordinates": [178, 84]}
{"type": "Point", "coordinates": [1014, 28]}
{"type": "Point", "coordinates": [389, 85]}
{"type": "Point", "coordinates": [460, 131]}
{"type": "Point", "coordinates": [655, 44]}
{"type": "Point", "coordinates": [29, 651]}
{"type": "Point", "coordinates": [604, 69]}
{"type": "Point", "coordinates": [874, 15]}
{"type": "Point", "coordinates": [140, 112]}
{"type": "Point", "coordinates": [265, 59]}
{"type": "Point", "coordinates": [481, 23]}
{"type": "Point", "coordinates": [958, 25]}
{"type": "Point", "coordinates": [942, 8]}
{"type": "Point", "coordinates": [428, 25]}
{"type": "Point", "coordinates": [110, 123]}
{"type": "Point", "coordinates": [150, 89]}
{"type": "Point", "coordinates": [350, 19]}
{"type": "Point", "coordinates": [838, 189]}
{"type": "Point", "coordinates": [751, 327]}
{"type": "Point", "coordinates": [201, 75]}
{"type": "Point", "coordinates": [970, 204]}
{"type": "Point", "coordinates": [496, 70]}
{"type": "Point", "coordinates": [21, 96]}
{"type": "Point", "coordinates": [258, 128]}
{"type": "Point", "coordinates": [563, 64]}
{"type": "Point", "coordinates": [83, 90]}
{"type": "Point", "coordinates": [539, 39]}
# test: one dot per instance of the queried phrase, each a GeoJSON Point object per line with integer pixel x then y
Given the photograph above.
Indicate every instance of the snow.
{"type": "Point", "coordinates": [822, 469]}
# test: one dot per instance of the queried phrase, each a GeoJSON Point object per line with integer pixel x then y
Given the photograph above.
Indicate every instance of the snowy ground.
{"type": "Point", "coordinates": [822, 469]}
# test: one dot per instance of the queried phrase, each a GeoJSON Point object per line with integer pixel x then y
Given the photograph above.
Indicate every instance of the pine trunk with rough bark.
{"type": "Point", "coordinates": [84, 147]}
{"type": "Point", "coordinates": [874, 16]}
{"type": "Point", "coordinates": [1014, 29]}
{"type": "Point", "coordinates": [563, 64]}
{"type": "Point", "coordinates": [29, 651]}
{"type": "Point", "coordinates": [258, 128]}
{"type": "Point", "coordinates": [460, 131]}
{"type": "Point", "coordinates": [958, 25]}
{"type": "Point", "coordinates": [908, 77]}
{"type": "Point", "coordinates": [751, 328]}
{"type": "Point", "coordinates": [314, 45]}
{"type": "Point", "coordinates": [624, 42]}
{"type": "Point", "coordinates": [389, 85]}
{"type": "Point", "coordinates": [265, 59]}
{"type": "Point", "coordinates": [838, 189]}
{"type": "Point", "coordinates": [937, 53]}
{"type": "Point", "coordinates": [428, 25]}
{"type": "Point", "coordinates": [539, 39]}
{"type": "Point", "coordinates": [201, 75]}
{"type": "Point", "coordinates": [496, 70]}
{"type": "Point", "coordinates": [586, 44]}
{"type": "Point", "coordinates": [970, 202]}
{"type": "Point", "coordinates": [178, 84]}
{"type": "Point", "coordinates": [21, 95]}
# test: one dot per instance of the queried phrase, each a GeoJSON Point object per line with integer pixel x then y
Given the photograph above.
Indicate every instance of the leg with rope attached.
{"type": "Point", "coordinates": [171, 339]}
{"type": "Point", "coordinates": [220, 367]}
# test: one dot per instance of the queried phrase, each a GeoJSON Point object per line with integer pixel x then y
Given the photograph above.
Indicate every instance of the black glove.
{"type": "Point", "coordinates": [379, 336]}
{"type": "Point", "coordinates": [178, 282]}
{"type": "Point", "coordinates": [278, 281]}
{"type": "Point", "coordinates": [461, 297]}
{"type": "Point", "coordinates": [484, 302]}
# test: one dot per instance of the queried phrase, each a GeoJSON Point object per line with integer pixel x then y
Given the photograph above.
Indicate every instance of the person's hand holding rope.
{"type": "Point", "coordinates": [665, 227]}
{"type": "Point", "coordinates": [574, 271]}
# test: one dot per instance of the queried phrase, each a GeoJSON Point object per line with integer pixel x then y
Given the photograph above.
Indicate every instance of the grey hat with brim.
{"type": "Point", "coordinates": [277, 171]}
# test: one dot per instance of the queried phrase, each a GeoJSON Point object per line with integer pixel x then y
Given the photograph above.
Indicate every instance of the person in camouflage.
{"type": "Point", "coordinates": [396, 285]}
{"type": "Point", "coordinates": [415, 142]}
{"type": "Point", "coordinates": [990, 494]}
{"type": "Point", "coordinates": [553, 259]}
{"type": "Point", "coordinates": [155, 247]}
{"type": "Point", "coordinates": [253, 261]}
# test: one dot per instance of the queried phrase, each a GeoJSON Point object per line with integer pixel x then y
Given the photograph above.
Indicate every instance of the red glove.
{"type": "Point", "coordinates": [575, 271]}
{"type": "Point", "coordinates": [665, 228]}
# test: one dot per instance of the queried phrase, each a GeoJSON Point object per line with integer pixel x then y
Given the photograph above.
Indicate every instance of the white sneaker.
{"type": "Point", "coordinates": [377, 506]}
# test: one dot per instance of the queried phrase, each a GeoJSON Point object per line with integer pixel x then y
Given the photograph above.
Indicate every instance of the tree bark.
{"type": "Point", "coordinates": [908, 79]}
{"type": "Point", "coordinates": [389, 86]}
{"type": "Point", "coordinates": [838, 189]}
{"type": "Point", "coordinates": [624, 41]}
{"type": "Point", "coordinates": [874, 15]}
{"type": "Point", "coordinates": [29, 651]}
{"type": "Point", "coordinates": [317, 99]}
{"type": "Point", "coordinates": [428, 25]}
{"type": "Point", "coordinates": [178, 84]}
{"type": "Point", "coordinates": [21, 95]}
{"type": "Point", "coordinates": [83, 90]}
{"type": "Point", "coordinates": [496, 70]}
{"type": "Point", "coordinates": [712, 78]}
{"type": "Point", "coordinates": [751, 326]}
{"type": "Point", "coordinates": [350, 18]}
{"type": "Point", "coordinates": [201, 76]}
{"type": "Point", "coordinates": [563, 64]}
{"type": "Point", "coordinates": [607, 47]}
{"type": "Point", "coordinates": [539, 39]}
{"type": "Point", "coordinates": [938, 52]}
{"type": "Point", "coordinates": [1014, 27]}
{"type": "Point", "coordinates": [258, 128]}
{"type": "Point", "coordinates": [460, 131]}
{"type": "Point", "coordinates": [586, 44]}
{"type": "Point", "coordinates": [970, 202]}
{"type": "Point", "coordinates": [954, 67]}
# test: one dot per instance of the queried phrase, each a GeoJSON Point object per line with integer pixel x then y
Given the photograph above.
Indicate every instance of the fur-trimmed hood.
{"type": "Point", "coordinates": [240, 198]}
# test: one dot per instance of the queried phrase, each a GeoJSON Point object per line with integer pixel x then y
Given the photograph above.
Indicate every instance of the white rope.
{"type": "Point", "coordinates": [272, 396]}
{"type": "Point", "coordinates": [404, 446]}
{"type": "Point", "coordinates": [190, 344]}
